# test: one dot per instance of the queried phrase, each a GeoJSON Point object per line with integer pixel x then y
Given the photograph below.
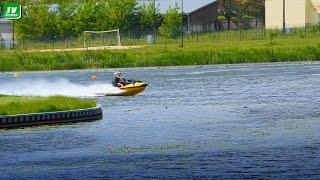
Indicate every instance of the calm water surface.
{"type": "Point", "coordinates": [226, 121]}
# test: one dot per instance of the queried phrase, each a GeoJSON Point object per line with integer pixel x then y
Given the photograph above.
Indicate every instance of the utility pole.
{"type": "Point", "coordinates": [12, 34]}
{"type": "Point", "coordinates": [154, 21]}
{"type": "Point", "coordinates": [12, 23]}
{"type": "Point", "coordinates": [154, 24]}
{"type": "Point", "coordinates": [284, 16]}
{"type": "Point", "coordinates": [182, 30]}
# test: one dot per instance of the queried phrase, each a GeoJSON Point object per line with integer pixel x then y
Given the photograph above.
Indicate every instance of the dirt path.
{"type": "Point", "coordinates": [85, 49]}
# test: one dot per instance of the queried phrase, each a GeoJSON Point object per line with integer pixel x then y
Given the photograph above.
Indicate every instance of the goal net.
{"type": "Point", "coordinates": [101, 38]}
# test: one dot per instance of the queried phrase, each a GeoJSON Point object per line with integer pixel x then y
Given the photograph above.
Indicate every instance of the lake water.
{"type": "Point", "coordinates": [224, 121]}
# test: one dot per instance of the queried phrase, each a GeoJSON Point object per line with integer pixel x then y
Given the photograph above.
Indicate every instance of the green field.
{"type": "Point", "coordinates": [12, 105]}
{"type": "Point", "coordinates": [251, 46]}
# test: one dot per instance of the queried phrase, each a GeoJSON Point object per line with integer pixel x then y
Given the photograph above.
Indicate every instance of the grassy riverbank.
{"type": "Point", "coordinates": [202, 50]}
{"type": "Point", "coordinates": [12, 105]}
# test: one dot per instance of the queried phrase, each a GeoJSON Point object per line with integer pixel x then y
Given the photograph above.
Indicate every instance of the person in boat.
{"type": "Point", "coordinates": [119, 81]}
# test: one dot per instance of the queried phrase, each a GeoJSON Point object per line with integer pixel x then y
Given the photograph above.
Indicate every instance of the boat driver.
{"type": "Point", "coordinates": [118, 80]}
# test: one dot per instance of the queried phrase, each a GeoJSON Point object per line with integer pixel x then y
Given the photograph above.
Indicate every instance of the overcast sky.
{"type": "Point", "coordinates": [189, 5]}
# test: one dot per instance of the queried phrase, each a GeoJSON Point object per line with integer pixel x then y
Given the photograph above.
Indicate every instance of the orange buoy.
{"type": "Point", "coordinates": [94, 78]}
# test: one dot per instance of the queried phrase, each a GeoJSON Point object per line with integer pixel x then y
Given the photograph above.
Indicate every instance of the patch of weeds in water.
{"type": "Point", "coordinates": [270, 123]}
{"type": "Point", "coordinates": [259, 132]}
{"type": "Point", "coordinates": [302, 126]}
{"type": "Point", "coordinates": [221, 144]}
{"type": "Point", "coordinates": [161, 148]}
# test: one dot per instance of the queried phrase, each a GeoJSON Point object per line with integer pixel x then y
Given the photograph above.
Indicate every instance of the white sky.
{"type": "Point", "coordinates": [189, 5]}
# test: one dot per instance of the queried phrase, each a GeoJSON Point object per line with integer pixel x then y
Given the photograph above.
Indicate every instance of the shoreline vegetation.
{"type": "Point", "coordinates": [203, 49]}
{"type": "Point", "coordinates": [14, 105]}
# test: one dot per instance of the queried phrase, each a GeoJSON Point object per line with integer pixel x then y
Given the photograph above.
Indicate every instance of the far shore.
{"type": "Point", "coordinates": [207, 49]}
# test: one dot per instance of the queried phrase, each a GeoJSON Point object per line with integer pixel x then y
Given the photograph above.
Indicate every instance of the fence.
{"type": "Point", "coordinates": [223, 26]}
{"type": "Point", "coordinates": [140, 38]}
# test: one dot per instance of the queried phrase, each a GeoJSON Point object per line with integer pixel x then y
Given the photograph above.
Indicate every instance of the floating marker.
{"type": "Point", "coordinates": [16, 75]}
{"type": "Point", "coordinates": [94, 78]}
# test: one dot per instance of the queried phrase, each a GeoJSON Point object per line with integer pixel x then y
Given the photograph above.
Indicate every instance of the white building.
{"type": "Point", "coordinates": [5, 33]}
{"type": "Point", "coordinates": [298, 13]}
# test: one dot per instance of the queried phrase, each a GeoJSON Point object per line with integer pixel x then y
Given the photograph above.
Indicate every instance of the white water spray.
{"type": "Point", "coordinates": [51, 88]}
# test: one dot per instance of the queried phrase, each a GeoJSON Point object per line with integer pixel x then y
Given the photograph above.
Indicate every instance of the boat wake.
{"type": "Point", "coordinates": [61, 87]}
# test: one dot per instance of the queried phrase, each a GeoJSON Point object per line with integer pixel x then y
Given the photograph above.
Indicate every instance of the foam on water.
{"type": "Point", "coordinates": [62, 87]}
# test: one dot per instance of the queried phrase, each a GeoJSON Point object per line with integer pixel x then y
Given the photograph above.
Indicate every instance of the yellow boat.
{"type": "Point", "coordinates": [131, 89]}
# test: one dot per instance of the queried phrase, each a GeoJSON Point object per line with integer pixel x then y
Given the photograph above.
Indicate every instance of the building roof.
{"type": "Point", "coordinates": [189, 5]}
{"type": "Point", "coordinates": [203, 7]}
{"type": "Point", "coordinates": [316, 4]}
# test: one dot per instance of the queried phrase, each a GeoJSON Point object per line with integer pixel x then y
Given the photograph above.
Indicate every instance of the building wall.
{"type": "Point", "coordinates": [299, 13]}
{"type": "Point", "coordinates": [312, 15]}
{"type": "Point", "coordinates": [295, 13]}
{"type": "Point", "coordinates": [5, 34]}
{"type": "Point", "coordinates": [5, 26]}
{"type": "Point", "coordinates": [202, 19]}
{"type": "Point", "coordinates": [274, 14]}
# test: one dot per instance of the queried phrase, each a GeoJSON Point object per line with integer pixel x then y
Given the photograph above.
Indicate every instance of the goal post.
{"type": "Point", "coordinates": [101, 38]}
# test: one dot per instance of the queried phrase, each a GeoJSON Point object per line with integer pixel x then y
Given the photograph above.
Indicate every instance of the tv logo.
{"type": "Point", "coordinates": [12, 11]}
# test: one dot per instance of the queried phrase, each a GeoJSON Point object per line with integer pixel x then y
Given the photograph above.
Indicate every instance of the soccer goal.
{"type": "Point", "coordinates": [101, 38]}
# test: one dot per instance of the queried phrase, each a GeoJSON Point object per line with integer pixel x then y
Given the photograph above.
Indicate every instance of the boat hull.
{"type": "Point", "coordinates": [130, 89]}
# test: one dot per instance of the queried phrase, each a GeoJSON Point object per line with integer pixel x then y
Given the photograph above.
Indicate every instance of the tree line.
{"type": "Point", "coordinates": [237, 11]}
{"type": "Point", "coordinates": [53, 20]}
{"type": "Point", "coordinates": [71, 18]}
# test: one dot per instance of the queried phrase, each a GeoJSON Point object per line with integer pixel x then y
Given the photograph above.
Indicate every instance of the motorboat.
{"type": "Point", "coordinates": [132, 88]}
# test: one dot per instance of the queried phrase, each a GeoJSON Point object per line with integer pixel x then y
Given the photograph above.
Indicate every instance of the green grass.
{"type": "Point", "coordinates": [252, 46]}
{"type": "Point", "coordinates": [12, 105]}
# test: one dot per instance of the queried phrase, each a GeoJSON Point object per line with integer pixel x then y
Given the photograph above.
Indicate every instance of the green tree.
{"type": "Point", "coordinates": [149, 16]}
{"type": "Point", "coordinates": [1, 10]}
{"type": "Point", "coordinates": [75, 16]}
{"type": "Point", "coordinates": [65, 20]}
{"type": "Point", "coordinates": [171, 26]}
{"type": "Point", "coordinates": [121, 13]}
{"type": "Point", "coordinates": [241, 8]}
{"type": "Point", "coordinates": [228, 9]}
{"type": "Point", "coordinates": [37, 23]}
{"type": "Point", "coordinates": [91, 16]}
{"type": "Point", "coordinates": [256, 8]}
